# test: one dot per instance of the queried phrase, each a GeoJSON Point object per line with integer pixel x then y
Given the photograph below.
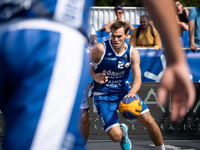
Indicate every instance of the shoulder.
{"type": "Point", "coordinates": [126, 21]}
{"type": "Point", "coordinates": [110, 23]}
{"type": "Point", "coordinates": [134, 31]}
{"type": "Point", "coordinates": [185, 9]}
{"type": "Point", "coordinates": [97, 52]}
{"type": "Point", "coordinates": [98, 48]}
{"type": "Point", "coordinates": [192, 13]}
{"type": "Point", "coordinates": [134, 53]}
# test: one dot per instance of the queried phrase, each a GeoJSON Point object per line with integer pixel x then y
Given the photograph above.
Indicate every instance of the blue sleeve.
{"type": "Point", "coordinates": [192, 14]}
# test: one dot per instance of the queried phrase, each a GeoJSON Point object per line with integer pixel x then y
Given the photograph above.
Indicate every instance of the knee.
{"type": "Point", "coordinates": [151, 125]}
{"type": "Point", "coordinates": [115, 134]}
{"type": "Point", "coordinates": [85, 120]}
{"type": "Point", "coordinates": [148, 121]}
{"type": "Point", "coordinates": [117, 138]}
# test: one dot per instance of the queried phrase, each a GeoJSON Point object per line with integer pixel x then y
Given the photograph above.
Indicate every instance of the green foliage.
{"type": "Point", "coordinates": [138, 3]}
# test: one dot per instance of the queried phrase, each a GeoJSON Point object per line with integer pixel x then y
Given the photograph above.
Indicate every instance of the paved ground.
{"type": "Point", "coordinates": [142, 142]}
{"type": "Point", "coordinates": [145, 145]}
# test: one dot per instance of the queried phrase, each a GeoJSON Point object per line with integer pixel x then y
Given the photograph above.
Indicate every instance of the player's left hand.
{"type": "Point", "coordinates": [130, 95]}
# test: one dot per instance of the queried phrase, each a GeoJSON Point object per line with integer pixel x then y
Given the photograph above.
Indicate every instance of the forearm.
{"type": "Point", "coordinates": [191, 32]}
{"type": "Point", "coordinates": [94, 39]}
{"type": "Point", "coordinates": [169, 31]}
{"type": "Point", "coordinates": [135, 87]}
{"type": "Point", "coordinates": [107, 29]}
{"type": "Point", "coordinates": [191, 37]}
{"type": "Point", "coordinates": [91, 72]}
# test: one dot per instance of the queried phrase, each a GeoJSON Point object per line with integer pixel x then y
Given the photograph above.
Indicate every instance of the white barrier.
{"type": "Point", "coordinates": [102, 15]}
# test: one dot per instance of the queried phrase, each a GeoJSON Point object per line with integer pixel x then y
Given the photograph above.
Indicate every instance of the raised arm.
{"type": "Point", "coordinates": [131, 27]}
{"type": "Point", "coordinates": [176, 76]}
{"type": "Point", "coordinates": [107, 27]}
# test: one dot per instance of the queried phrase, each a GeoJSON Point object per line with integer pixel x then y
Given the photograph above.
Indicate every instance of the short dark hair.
{"type": "Point", "coordinates": [143, 16]}
{"type": "Point", "coordinates": [120, 24]}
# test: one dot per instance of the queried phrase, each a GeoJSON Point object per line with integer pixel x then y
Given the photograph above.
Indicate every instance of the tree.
{"type": "Point", "coordinates": [138, 3]}
{"type": "Point", "coordinates": [124, 3]}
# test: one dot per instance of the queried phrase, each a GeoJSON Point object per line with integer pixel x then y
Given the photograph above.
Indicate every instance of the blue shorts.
{"type": "Point", "coordinates": [106, 106]}
{"type": "Point", "coordinates": [84, 104]}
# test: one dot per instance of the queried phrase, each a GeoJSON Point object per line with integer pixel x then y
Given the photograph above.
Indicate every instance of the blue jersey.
{"type": "Point", "coordinates": [117, 69]}
{"type": "Point", "coordinates": [74, 13]}
{"type": "Point", "coordinates": [41, 89]}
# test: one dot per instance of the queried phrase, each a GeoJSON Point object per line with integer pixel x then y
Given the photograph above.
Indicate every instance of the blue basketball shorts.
{"type": "Point", "coordinates": [84, 104]}
{"type": "Point", "coordinates": [107, 106]}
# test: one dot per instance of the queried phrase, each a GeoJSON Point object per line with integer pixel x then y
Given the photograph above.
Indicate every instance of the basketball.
{"type": "Point", "coordinates": [130, 108]}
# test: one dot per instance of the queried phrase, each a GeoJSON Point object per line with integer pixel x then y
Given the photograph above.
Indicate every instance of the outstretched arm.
{"type": "Point", "coordinates": [136, 72]}
{"type": "Point", "coordinates": [176, 76]}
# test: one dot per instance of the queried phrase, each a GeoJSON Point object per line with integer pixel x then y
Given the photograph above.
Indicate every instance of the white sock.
{"type": "Point", "coordinates": [162, 147]}
{"type": "Point", "coordinates": [124, 132]}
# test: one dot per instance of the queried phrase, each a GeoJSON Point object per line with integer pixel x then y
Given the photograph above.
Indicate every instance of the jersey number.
{"type": "Point", "coordinates": [120, 65]}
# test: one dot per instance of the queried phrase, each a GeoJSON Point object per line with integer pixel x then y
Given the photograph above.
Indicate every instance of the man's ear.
{"type": "Point", "coordinates": [127, 34]}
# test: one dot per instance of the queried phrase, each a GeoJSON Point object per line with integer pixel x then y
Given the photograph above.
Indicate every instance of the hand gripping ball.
{"type": "Point", "coordinates": [130, 108]}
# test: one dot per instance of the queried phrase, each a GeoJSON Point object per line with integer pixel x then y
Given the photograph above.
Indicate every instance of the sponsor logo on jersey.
{"type": "Point", "coordinates": [111, 59]}
{"type": "Point", "coordinates": [126, 56]}
{"type": "Point", "coordinates": [109, 54]}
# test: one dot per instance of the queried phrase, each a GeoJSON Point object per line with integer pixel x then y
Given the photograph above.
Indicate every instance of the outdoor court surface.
{"type": "Point", "coordinates": [143, 142]}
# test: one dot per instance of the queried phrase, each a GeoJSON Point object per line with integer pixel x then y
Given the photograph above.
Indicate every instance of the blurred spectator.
{"type": "Point", "coordinates": [194, 28]}
{"type": "Point", "coordinates": [182, 17]}
{"type": "Point", "coordinates": [145, 35]}
{"type": "Point", "coordinates": [119, 12]}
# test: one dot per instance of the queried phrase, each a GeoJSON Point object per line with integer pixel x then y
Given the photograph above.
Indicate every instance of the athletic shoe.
{"type": "Point", "coordinates": [125, 142]}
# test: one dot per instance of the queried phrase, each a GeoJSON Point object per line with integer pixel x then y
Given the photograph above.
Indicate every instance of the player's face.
{"type": "Point", "coordinates": [144, 23]}
{"type": "Point", "coordinates": [118, 38]}
{"type": "Point", "coordinates": [119, 13]}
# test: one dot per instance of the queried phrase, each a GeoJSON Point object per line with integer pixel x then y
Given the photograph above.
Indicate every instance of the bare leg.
{"type": "Point", "coordinates": [85, 125]}
{"type": "Point", "coordinates": [115, 134]}
{"type": "Point", "coordinates": [154, 132]}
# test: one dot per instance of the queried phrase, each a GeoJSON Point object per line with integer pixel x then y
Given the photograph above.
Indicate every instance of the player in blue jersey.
{"type": "Point", "coordinates": [113, 60]}
{"type": "Point", "coordinates": [40, 91]}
